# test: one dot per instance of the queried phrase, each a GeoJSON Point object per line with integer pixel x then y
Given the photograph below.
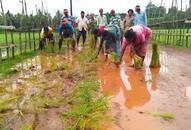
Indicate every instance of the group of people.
{"type": "Point", "coordinates": [114, 33]}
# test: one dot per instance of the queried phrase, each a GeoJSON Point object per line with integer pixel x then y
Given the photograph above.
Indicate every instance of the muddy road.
{"type": "Point", "coordinates": [136, 92]}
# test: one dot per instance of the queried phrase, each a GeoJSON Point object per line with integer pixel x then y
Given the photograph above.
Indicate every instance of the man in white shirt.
{"type": "Point", "coordinates": [82, 23]}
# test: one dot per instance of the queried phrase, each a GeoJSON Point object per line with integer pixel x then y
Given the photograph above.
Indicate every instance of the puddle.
{"type": "Point", "coordinates": [131, 89]}
{"type": "Point", "coordinates": [136, 85]}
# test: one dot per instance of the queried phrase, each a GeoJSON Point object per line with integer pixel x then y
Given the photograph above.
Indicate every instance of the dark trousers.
{"type": "Point", "coordinates": [68, 44]}
{"type": "Point", "coordinates": [83, 33]}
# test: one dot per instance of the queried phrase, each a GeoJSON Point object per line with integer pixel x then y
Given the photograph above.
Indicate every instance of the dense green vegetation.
{"type": "Point", "coordinates": [158, 14]}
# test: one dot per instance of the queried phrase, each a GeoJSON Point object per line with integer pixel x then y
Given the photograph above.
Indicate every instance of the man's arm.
{"type": "Point", "coordinates": [71, 28]}
{"type": "Point", "coordinates": [60, 31]}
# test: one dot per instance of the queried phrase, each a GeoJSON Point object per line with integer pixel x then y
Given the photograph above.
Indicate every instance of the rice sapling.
{"type": "Point", "coordinates": [155, 61]}
{"type": "Point", "coordinates": [137, 61]}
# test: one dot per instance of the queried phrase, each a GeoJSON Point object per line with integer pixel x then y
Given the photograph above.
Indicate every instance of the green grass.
{"type": "Point", "coordinates": [172, 40]}
{"type": "Point", "coordinates": [165, 116]}
{"type": "Point", "coordinates": [6, 66]}
{"type": "Point", "coordinates": [16, 37]}
{"type": "Point", "coordinates": [88, 107]}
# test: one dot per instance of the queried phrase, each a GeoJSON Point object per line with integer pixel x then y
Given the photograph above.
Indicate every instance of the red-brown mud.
{"type": "Point", "coordinates": [134, 92]}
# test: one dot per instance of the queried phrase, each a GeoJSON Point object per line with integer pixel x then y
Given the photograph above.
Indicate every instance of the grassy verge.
{"type": "Point", "coordinates": [5, 66]}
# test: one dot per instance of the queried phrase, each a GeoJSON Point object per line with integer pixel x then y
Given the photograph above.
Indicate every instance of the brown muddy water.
{"type": "Point", "coordinates": [136, 92]}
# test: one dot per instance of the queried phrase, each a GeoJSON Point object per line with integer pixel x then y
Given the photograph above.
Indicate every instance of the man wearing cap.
{"type": "Point", "coordinates": [69, 18]}
{"type": "Point", "coordinates": [140, 16]}
{"type": "Point", "coordinates": [82, 23]}
{"type": "Point", "coordinates": [66, 33]}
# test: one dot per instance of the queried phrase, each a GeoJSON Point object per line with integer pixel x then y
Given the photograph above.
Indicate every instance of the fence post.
{"type": "Point", "coordinates": [29, 39]}
{"type": "Point", "coordinates": [20, 43]}
{"type": "Point", "coordinates": [12, 44]}
{"type": "Point", "coordinates": [25, 41]}
{"type": "Point", "coordinates": [6, 42]}
{"type": "Point", "coordinates": [168, 36]}
{"type": "Point", "coordinates": [180, 37]}
{"type": "Point", "coordinates": [34, 40]}
{"type": "Point", "coordinates": [183, 33]}
{"type": "Point", "coordinates": [38, 36]}
{"type": "Point", "coordinates": [187, 32]}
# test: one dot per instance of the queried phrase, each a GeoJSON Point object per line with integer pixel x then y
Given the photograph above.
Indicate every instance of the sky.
{"type": "Point", "coordinates": [89, 6]}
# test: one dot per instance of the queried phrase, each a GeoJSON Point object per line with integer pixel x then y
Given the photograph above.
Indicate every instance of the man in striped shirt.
{"type": "Point", "coordinates": [115, 19]}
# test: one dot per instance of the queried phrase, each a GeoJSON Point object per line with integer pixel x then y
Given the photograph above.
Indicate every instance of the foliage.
{"type": "Point", "coordinates": [31, 21]}
{"type": "Point", "coordinates": [153, 11]}
{"type": "Point", "coordinates": [87, 107]}
{"type": "Point", "coordinates": [161, 14]}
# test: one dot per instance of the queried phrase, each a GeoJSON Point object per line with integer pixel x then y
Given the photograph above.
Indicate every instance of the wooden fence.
{"type": "Point", "coordinates": [14, 42]}
{"type": "Point", "coordinates": [176, 33]}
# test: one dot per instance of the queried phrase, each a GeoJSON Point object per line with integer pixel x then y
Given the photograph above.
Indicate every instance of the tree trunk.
{"type": "Point", "coordinates": [4, 17]}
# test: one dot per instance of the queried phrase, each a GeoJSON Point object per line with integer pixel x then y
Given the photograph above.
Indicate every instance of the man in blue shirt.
{"type": "Point", "coordinates": [69, 18]}
{"type": "Point", "coordinates": [140, 16]}
{"type": "Point", "coordinates": [66, 31]}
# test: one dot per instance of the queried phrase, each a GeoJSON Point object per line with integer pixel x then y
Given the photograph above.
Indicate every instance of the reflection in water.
{"type": "Point", "coordinates": [139, 94]}
{"type": "Point", "coordinates": [136, 85]}
{"type": "Point", "coordinates": [110, 78]}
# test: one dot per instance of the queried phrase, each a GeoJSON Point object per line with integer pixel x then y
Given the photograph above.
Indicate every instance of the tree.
{"type": "Point", "coordinates": [153, 11]}
{"type": "Point", "coordinates": [3, 14]}
{"type": "Point", "coordinates": [56, 19]}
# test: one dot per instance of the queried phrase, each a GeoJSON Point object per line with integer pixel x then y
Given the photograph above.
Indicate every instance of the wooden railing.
{"type": "Point", "coordinates": [13, 41]}
{"type": "Point", "coordinates": [176, 33]}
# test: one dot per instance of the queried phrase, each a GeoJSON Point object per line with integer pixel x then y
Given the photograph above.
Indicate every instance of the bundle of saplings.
{"type": "Point", "coordinates": [138, 61]}
{"type": "Point", "coordinates": [155, 61]}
